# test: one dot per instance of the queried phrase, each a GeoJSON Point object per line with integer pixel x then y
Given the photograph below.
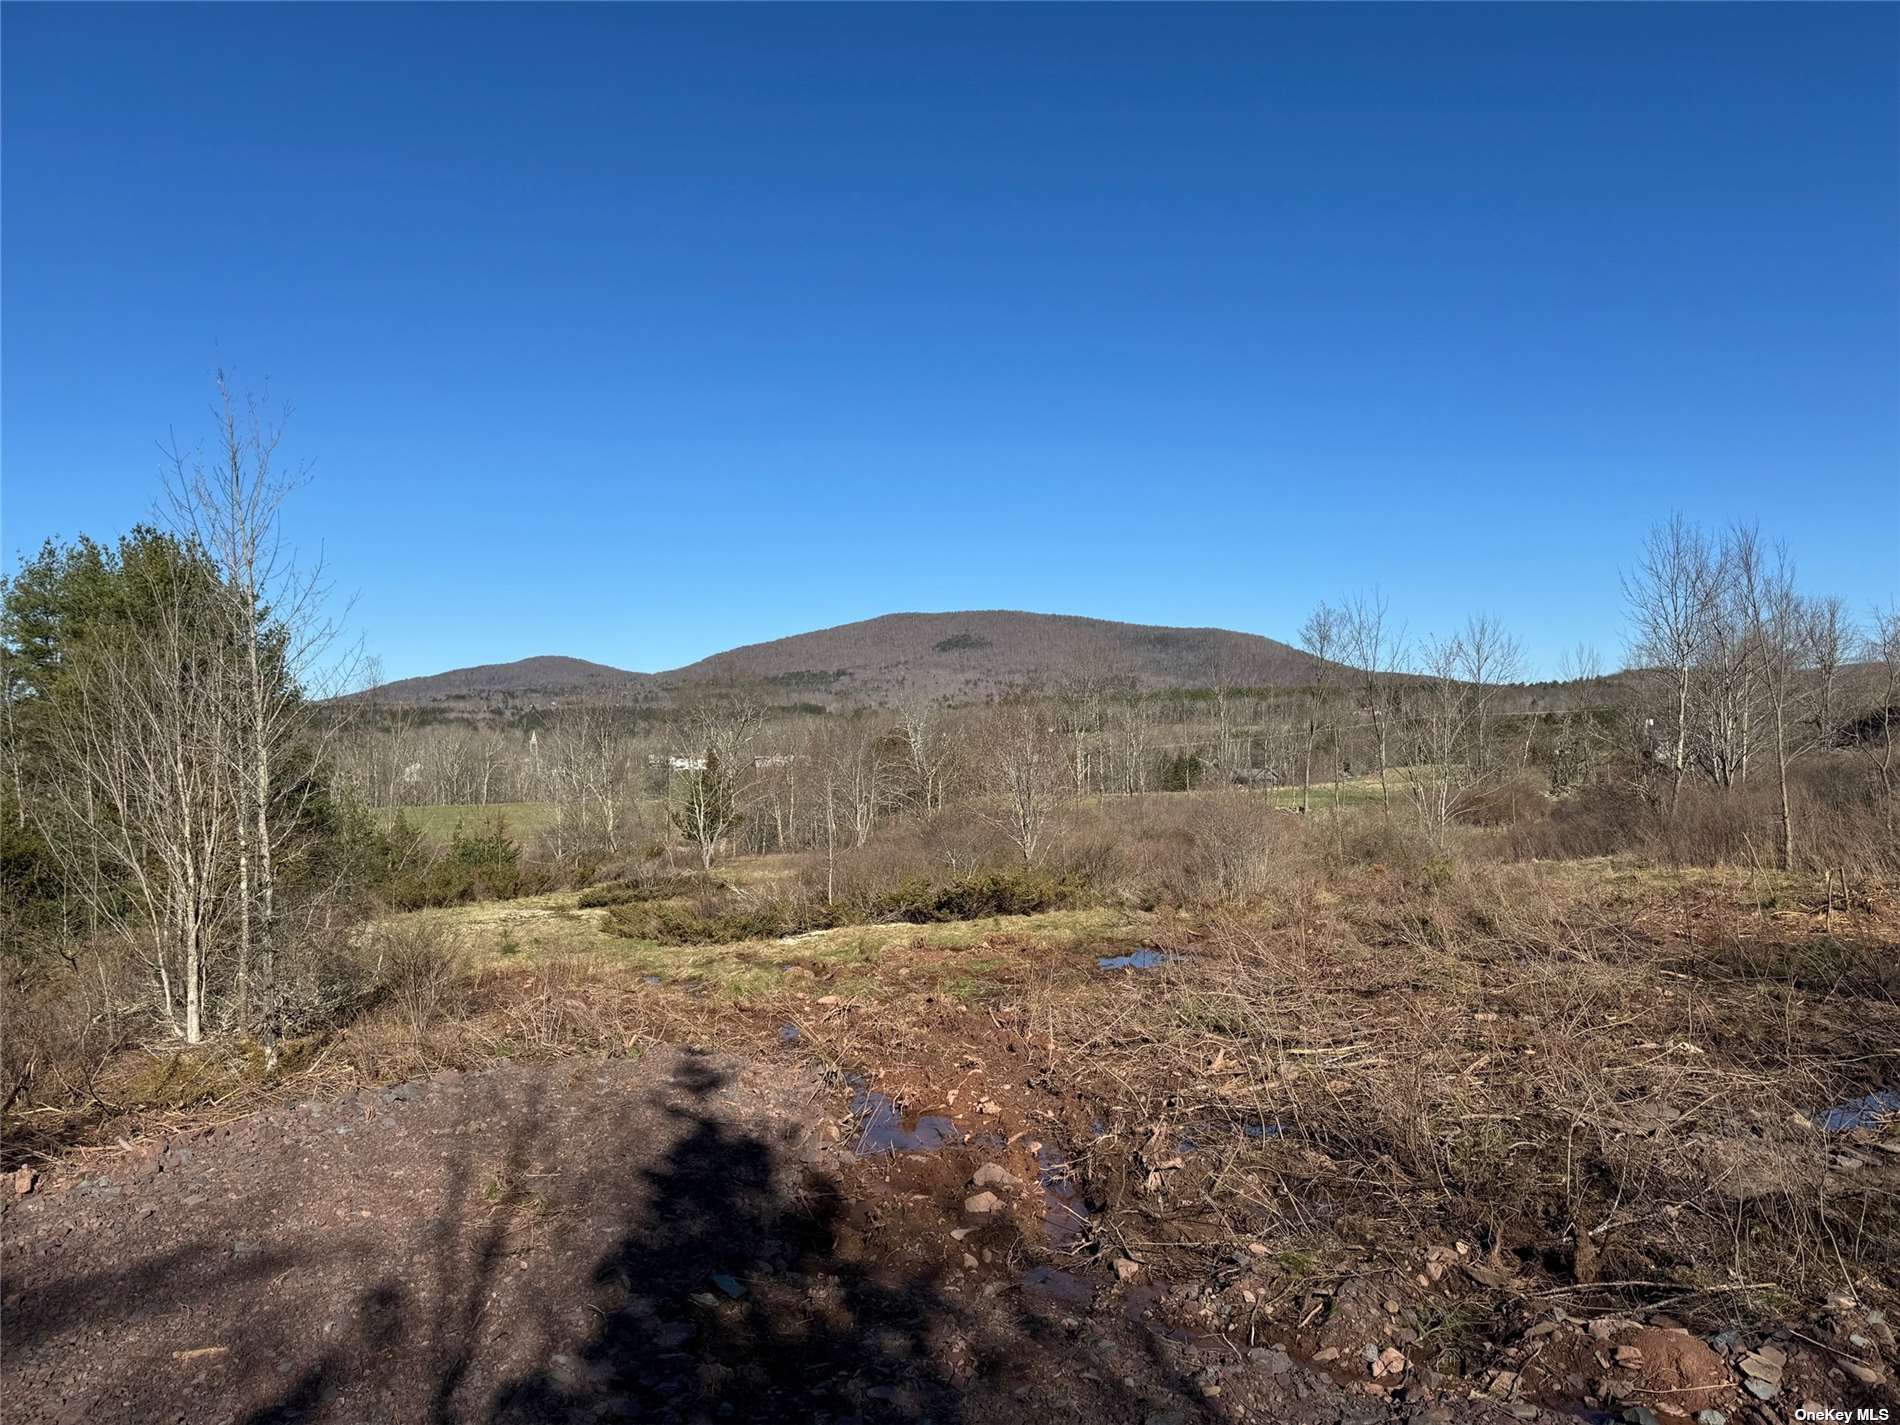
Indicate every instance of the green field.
{"type": "Point", "coordinates": [522, 819]}
{"type": "Point", "coordinates": [1353, 792]}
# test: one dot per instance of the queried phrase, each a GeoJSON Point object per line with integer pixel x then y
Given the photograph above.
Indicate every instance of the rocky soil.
{"type": "Point", "coordinates": [685, 1237]}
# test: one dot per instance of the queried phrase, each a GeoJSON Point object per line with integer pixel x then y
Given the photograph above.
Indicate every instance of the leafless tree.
{"type": "Point", "coordinates": [1443, 773]}
{"type": "Point", "coordinates": [1672, 596]}
{"type": "Point", "coordinates": [1026, 769]}
{"type": "Point", "coordinates": [143, 785]}
{"type": "Point", "coordinates": [1376, 650]}
{"type": "Point", "coordinates": [1881, 653]}
{"type": "Point", "coordinates": [713, 794]}
{"type": "Point", "coordinates": [930, 753]}
{"type": "Point", "coordinates": [1079, 703]}
{"type": "Point", "coordinates": [586, 767]}
{"type": "Point", "coordinates": [1489, 658]}
{"type": "Point", "coordinates": [1320, 636]}
{"type": "Point", "coordinates": [231, 503]}
{"type": "Point", "coordinates": [1831, 637]}
{"type": "Point", "coordinates": [1779, 629]}
{"type": "Point", "coordinates": [1132, 725]}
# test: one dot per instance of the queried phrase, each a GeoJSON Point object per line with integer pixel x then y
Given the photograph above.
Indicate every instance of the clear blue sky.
{"type": "Point", "coordinates": [635, 333]}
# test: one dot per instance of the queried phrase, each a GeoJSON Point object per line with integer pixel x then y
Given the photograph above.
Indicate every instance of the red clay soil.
{"type": "Point", "coordinates": [678, 1238]}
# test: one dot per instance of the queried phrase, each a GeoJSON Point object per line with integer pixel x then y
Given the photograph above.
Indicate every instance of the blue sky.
{"type": "Point", "coordinates": [637, 333]}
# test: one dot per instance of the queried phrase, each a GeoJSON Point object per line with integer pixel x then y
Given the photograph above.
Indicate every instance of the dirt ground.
{"type": "Point", "coordinates": [679, 1237]}
{"type": "Point", "coordinates": [683, 1237]}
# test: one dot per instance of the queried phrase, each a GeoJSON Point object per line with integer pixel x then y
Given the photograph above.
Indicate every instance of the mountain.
{"type": "Point", "coordinates": [966, 655]}
{"type": "Point", "coordinates": [960, 656]}
{"type": "Point", "coordinates": [547, 676]}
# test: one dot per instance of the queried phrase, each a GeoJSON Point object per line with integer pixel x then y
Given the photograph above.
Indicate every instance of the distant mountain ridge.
{"type": "Point", "coordinates": [959, 656]}
{"type": "Point", "coordinates": [547, 674]}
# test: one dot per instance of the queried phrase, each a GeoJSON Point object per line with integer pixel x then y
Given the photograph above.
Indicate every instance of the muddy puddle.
{"type": "Point", "coordinates": [1868, 1112]}
{"type": "Point", "coordinates": [883, 1129]}
{"type": "Point", "coordinates": [1146, 958]}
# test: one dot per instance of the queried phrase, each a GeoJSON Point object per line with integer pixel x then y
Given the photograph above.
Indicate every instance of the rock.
{"type": "Point", "coordinates": [992, 1175]}
{"type": "Point", "coordinates": [1502, 1383]}
{"type": "Point", "coordinates": [23, 1180]}
{"type": "Point", "coordinates": [969, 1261]}
{"type": "Point", "coordinates": [989, 1108]}
{"type": "Point", "coordinates": [729, 1284]}
{"type": "Point", "coordinates": [1523, 1410]}
{"type": "Point", "coordinates": [1126, 1269]}
{"type": "Point", "coordinates": [1667, 1364]}
{"type": "Point", "coordinates": [830, 1001]}
{"type": "Point", "coordinates": [1271, 1359]}
{"type": "Point", "coordinates": [1710, 1417]}
{"type": "Point", "coordinates": [982, 1204]}
{"type": "Point", "coordinates": [1390, 1364]}
{"type": "Point", "coordinates": [1758, 1365]}
{"type": "Point", "coordinates": [1762, 1389]}
{"type": "Point", "coordinates": [1865, 1374]}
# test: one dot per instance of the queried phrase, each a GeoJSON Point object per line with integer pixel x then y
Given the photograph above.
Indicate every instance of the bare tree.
{"type": "Point", "coordinates": [1133, 732]}
{"type": "Point", "coordinates": [1443, 772]}
{"type": "Point", "coordinates": [1026, 769]}
{"type": "Point", "coordinates": [1376, 650]}
{"type": "Point", "coordinates": [1489, 658]}
{"type": "Point", "coordinates": [587, 771]}
{"type": "Point", "coordinates": [1830, 637]}
{"type": "Point", "coordinates": [1672, 596]}
{"type": "Point", "coordinates": [712, 793]}
{"type": "Point", "coordinates": [930, 755]}
{"type": "Point", "coordinates": [1079, 700]}
{"type": "Point", "coordinates": [1779, 629]}
{"type": "Point", "coordinates": [1724, 686]}
{"type": "Point", "coordinates": [858, 777]}
{"type": "Point", "coordinates": [232, 505]}
{"type": "Point", "coordinates": [1881, 653]}
{"type": "Point", "coordinates": [143, 785]}
{"type": "Point", "coordinates": [1320, 636]}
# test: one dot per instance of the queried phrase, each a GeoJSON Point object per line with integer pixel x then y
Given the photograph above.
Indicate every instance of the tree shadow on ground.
{"type": "Point", "coordinates": [639, 1249]}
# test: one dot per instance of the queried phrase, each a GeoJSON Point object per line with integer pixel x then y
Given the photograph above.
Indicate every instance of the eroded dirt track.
{"type": "Point", "coordinates": [680, 1238]}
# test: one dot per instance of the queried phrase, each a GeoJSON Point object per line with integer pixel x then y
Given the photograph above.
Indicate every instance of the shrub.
{"type": "Point", "coordinates": [418, 972]}
{"type": "Point", "coordinates": [703, 924]}
{"type": "Point", "coordinates": [638, 892]}
{"type": "Point", "coordinates": [974, 897]}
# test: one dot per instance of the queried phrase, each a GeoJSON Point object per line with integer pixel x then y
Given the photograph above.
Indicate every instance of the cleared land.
{"type": "Point", "coordinates": [1394, 1138]}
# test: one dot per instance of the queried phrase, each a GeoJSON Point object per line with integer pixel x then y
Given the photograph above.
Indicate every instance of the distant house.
{"type": "Point", "coordinates": [677, 763]}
